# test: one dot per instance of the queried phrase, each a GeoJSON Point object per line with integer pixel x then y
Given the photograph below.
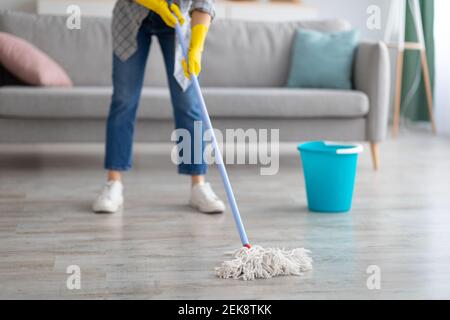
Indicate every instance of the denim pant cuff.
{"type": "Point", "coordinates": [116, 168]}
{"type": "Point", "coordinates": [193, 170]}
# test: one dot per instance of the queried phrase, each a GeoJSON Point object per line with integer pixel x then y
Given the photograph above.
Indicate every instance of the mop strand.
{"type": "Point", "coordinates": [260, 263]}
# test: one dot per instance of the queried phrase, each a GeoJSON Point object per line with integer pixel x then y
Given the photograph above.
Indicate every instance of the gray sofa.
{"type": "Point", "coordinates": [245, 70]}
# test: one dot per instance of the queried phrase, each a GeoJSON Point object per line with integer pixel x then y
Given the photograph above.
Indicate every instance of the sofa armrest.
{"type": "Point", "coordinates": [372, 75]}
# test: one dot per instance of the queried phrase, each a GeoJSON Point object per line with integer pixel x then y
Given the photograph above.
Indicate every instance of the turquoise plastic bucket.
{"type": "Point", "coordinates": [329, 169]}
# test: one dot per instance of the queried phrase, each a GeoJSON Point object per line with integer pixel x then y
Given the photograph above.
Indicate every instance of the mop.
{"type": "Point", "coordinates": [249, 262]}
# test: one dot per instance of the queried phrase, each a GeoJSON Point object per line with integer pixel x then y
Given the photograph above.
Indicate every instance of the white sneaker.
{"type": "Point", "coordinates": [110, 199]}
{"type": "Point", "coordinates": [205, 200]}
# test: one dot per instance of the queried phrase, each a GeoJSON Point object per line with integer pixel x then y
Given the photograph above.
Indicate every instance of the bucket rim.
{"type": "Point", "coordinates": [347, 148]}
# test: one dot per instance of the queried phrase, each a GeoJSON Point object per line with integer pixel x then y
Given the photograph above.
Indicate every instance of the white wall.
{"type": "Point", "coordinates": [442, 93]}
{"type": "Point", "coordinates": [355, 11]}
{"type": "Point", "coordinates": [22, 5]}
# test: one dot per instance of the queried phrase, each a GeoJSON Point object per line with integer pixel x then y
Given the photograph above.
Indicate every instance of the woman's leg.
{"type": "Point", "coordinates": [197, 179]}
{"type": "Point", "coordinates": [127, 86]}
{"type": "Point", "coordinates": [187, 112]}
{"type": "Point", "coordinates": [128, 79]}
{"type": "Point", "coordinates": [186, 109]}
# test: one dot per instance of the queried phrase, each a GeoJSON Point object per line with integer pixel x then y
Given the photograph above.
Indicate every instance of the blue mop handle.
{"type": "Point", "coordinates": [220, 164]}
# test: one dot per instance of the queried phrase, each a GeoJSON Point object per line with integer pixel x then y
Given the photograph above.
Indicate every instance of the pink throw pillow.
{"type": "Point", "coordinates": [30, 64]}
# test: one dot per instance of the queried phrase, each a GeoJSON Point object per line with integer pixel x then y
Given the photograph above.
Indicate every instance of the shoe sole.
{"type": "Point", "coordinates": [107, 211]}
{"type": "Point", "coordinates": [204, 211]}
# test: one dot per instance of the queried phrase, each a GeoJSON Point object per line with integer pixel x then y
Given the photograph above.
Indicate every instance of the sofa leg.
{"type": "Point", "coordinates": [375, 151]}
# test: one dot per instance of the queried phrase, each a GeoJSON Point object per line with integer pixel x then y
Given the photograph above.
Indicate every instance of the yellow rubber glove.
{"type": "Point", "coordinates": [198, 36]}
{"type": "Point", "coordinates": [161, 7]}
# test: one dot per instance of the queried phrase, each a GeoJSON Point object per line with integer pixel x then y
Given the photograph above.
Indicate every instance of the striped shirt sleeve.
{"type": "Point", "coordinates": [206, 6]}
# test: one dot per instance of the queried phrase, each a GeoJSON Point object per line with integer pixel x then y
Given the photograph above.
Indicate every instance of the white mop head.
{"type": "Point", "coordinates": [257, 262]}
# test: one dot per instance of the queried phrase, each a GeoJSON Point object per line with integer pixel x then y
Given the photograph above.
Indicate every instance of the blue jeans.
{"type": "Point", "coordinates": [128, 77]}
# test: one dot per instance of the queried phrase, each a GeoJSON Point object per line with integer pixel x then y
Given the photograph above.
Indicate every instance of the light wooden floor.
{"type": "Point", "coordinates": [159, 248]}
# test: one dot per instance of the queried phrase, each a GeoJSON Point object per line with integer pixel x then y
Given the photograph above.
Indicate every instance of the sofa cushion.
{"type": "Point", "coordinates": [85, 54]}
{"type": "Point", "coordinates": [254, 54]}
{"type": "Point", "coordinates": [93, 102]}
{"type": "Point", "coordinates": [323, 59]}
{"type": "Point", "coordinates": [237, 53]}
{"type": "Point", "coordinates": [30, 64]}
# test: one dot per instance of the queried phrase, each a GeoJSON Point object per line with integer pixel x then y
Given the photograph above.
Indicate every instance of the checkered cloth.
{"type": "Point", "coordinates": [128, 17]}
